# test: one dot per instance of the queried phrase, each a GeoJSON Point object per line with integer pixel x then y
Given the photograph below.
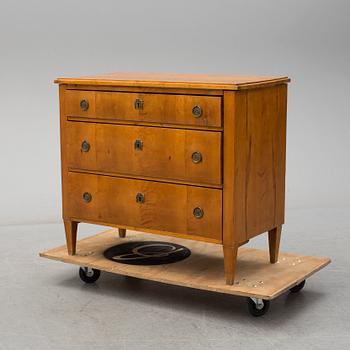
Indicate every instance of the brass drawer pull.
{"type": "Point", "coordinates": [138, 145]}
{"type": "Point", "coordinates": [84, 105]}
{"type": "Point", "coordinates": [87, 197]}
{"type": "Point", "coordinates": [140, 198]}
{"type": "Point", "coordinates": [138, 104]}
{"type": "Point", "coordinates": [196, 111]}
{"type": "Point", "coordinates": [85, 146]}
{"type": "Point", "coordinates": [196, 157]}
{"type": "Point", "coordinates": [198, 212]}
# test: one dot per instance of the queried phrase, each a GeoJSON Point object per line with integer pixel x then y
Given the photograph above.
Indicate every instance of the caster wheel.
{"type": "Point", "coordinates": [298, 287]}
{"type": "Point", "coordinates": [89, 275]}
{"type": "Point", "coordinates": [257, 307]}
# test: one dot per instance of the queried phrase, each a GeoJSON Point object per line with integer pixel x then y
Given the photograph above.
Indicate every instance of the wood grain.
{"type": "Point", "coordinates": [165, 154]}
{"type": "Point", "coordinates": [160, 108]}
{"type": "Point", "coordinates": [254, 161]}
{"type": "Point", "coordinates": [173, 80]}
{"type": "Point", "coordinates": [145, 89]}
{"type": "Point", "coordinates": [204, 269]}
{"type": "Point", "coordinates": [166, 207]}
{"type": "Point", "coordinates": [234, 163]}
{"type": "Point", "coordinates": [241, 135]}
{"type": "Point", "coordinates": [265, 138]}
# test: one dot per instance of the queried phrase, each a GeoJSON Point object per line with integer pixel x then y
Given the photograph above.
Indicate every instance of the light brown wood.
{"type": "Point", "coordinates": [64, 167]}
{"type": "Point", "coordinates": [241, 135]}
{"type": "Point", "coordinates": [265, 171]}
{"type": "Point", "coordinates": [256, 157]}
{"type": "Point", "coordinates": [274, 243]}
{"type": "Point", "coordinates": [165, 153]}
{"type": "Point", "coordinates": [71, 228]}
{"type": "Point", "coordinates": [158, 108]}
{"type": "Point", "coordinates": [153, 231]}
{"type": "Point", "coordinates": [143, 123]}
{"type": "Point", "coordinates": [234, 199]}
{"type": "Point", "coordinates": [230, 261]}
{"type": "Point", "coordinates": [122, 232]}
{"type": "Point", "coordinates": [144, 89]}
{"type": "Point", "coordinates": [173, 80]}
{"type": "Point", "coordinates": [166, 207]}
{"type": "Point", "coordinates": [149, 178]}
{"type": "Point", "coordinates": [255, 276]}
{"type": "Point", "coordinates": [233, 233]}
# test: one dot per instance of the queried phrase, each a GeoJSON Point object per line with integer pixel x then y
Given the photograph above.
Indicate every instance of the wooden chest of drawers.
{"type": "Point", "coordinates": [195, 156]}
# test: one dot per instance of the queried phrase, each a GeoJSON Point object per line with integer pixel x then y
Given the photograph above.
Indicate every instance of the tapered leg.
{"type": "Point", "coordinates": [122, 232]}
{"type": "Point", "coordinates": [274, 243]}
{"type": "Point", "coordinates": [230, 258]}
{"type": "Point", "coordinates": [71, 228]}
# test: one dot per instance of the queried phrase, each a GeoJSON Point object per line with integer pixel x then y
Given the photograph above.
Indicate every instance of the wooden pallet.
{"type": "Point", "coordinates": [204, 269]}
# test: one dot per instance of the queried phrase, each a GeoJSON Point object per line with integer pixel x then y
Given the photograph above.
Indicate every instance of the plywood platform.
{"type": "Point", "coordinates": [204, 269]}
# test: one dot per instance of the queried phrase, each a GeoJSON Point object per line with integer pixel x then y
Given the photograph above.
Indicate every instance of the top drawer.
{"type": "Point", "coordinates": [155, 108]}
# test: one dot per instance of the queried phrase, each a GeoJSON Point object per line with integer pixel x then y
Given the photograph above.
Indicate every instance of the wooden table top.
{"type": "Point", "coordinates": [173, 80]}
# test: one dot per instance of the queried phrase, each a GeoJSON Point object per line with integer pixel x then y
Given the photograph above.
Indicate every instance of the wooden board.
{"type": "Point", "coordinates": [204, 269]}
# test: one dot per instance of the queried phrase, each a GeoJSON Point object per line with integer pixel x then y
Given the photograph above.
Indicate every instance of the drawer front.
{"type": "Point", "coordinates": [156, 108]}
{"type": "Point", "coordinates": [185, 155]}
{"type": "Point", "coordinates": [145, 204]}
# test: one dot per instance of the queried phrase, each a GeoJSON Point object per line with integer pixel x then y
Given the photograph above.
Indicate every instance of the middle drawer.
{"type": "Point", "coordinates": [178, 154]}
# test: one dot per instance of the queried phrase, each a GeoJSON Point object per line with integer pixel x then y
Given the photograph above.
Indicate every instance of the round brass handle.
{"type": "Point", "coordinates": [85, 146]}
{"type": "Point", "coordinates": [138, 145]}
{"type": "Point", "coordinates": [87, 197]}
{"type": "Point", "coordinates": [84, 105]}
{"type": "Point", "coordinates": [138, 104]}
{"type": "Point", "coordinates": [197, 157]}
{"type": "Point", "coordinates": [140, 197]}
{"type": "Point", "coordinates": [198, 212]}
{"type": "Point", "coordinates": [196, 111]}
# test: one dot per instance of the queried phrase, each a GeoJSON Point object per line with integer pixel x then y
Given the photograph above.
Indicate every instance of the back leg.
{"type": "Point", "coordinates": [274, 243]}
{"type": "Point", "coordinates": [122, 232]}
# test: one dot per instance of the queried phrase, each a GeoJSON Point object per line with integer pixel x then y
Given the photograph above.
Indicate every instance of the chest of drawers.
{"type": "Point", "coordinates": [195, 156]}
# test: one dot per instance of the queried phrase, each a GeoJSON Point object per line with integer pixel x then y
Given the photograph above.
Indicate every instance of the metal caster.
{"type": "Point", "coordinates": [89, 275]}
{"type": "Point", "coordinates": [257, 307]}
{"type": "Point", "coordinates": [298, 287]}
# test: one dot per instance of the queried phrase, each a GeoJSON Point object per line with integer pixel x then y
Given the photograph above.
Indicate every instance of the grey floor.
{"type": "Point", "coordinates": [44, 305]}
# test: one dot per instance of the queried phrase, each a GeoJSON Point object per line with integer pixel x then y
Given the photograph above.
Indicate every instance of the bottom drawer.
{"type": "Point", "coordinates": [181, 209]}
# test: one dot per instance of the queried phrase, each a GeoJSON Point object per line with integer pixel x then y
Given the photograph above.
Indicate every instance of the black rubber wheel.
{"type": "Point", "coordinates": [298, 287]}
{"type": "Point", "coordinates": [86, 277]}
{"type": "Point", "coordinates": [254, 310]}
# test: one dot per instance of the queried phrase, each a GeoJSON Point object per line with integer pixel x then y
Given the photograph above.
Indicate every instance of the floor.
{"type": "Point", "coordinates": [46, 306]}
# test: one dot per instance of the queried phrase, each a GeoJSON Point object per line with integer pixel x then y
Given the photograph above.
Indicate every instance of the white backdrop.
{"type": "Point", "coordinates": [39, 41]}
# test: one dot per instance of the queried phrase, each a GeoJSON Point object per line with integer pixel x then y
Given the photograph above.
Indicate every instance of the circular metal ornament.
{"type": "Point", "coordinates": [196, 111]}
{"type": "Point", "coordinates": [87, 197]}
{"type": "Point", "coordinates": [85, 146]}
{"type": "Point", "coordinates": [138, 145]}
{"type": "Point", "coordinates": [198, 212]}
{"type": "Point", "coordinates": [196, 157]}
{"type": "Point", "coordinates": [140, 197]}
{"type": "Point", "coordinates": [84, 105]}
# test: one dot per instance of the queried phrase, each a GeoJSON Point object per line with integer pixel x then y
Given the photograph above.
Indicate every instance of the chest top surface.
{"type": "Point", "coordinates": [173, 80]}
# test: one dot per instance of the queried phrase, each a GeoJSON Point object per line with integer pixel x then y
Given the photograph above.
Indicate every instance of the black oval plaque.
{"type": "Point", "coordinates": [147, 253]}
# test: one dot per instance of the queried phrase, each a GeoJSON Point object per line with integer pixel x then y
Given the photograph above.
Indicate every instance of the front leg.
{"type": "Point", "coordinates": [230, 259]}
{"type": "Point", "coordinates": [71, 228]}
